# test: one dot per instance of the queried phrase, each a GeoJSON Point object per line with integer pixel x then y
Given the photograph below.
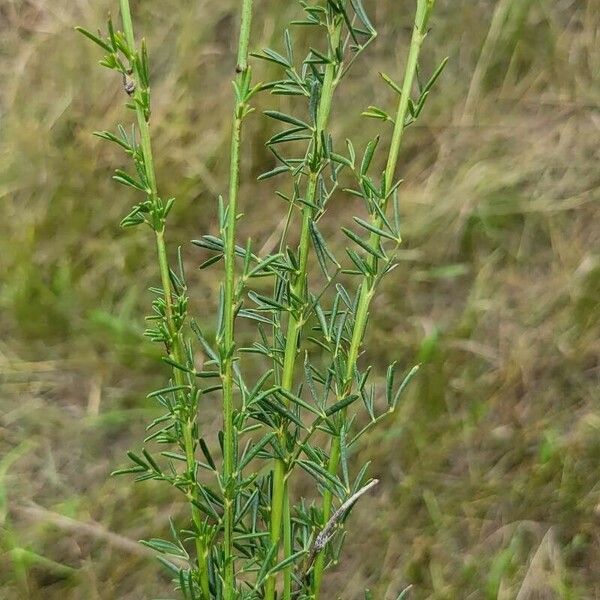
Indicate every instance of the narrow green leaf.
{"type": "Point", "coordinates": [279, 116]}
{"type": "Point", "coordinates": [364, 245]}
{"type": "Point", "coordinates": [360, 478]}
{"type": "Point", "coordinates": [361, 265]}
{"type": "Point", "coordinates": [255, 316]}
{"type": "Point", "coordinates": [207, 454]}
{"type": "Point", "coordinates": [128, 470]}
{"type": "Point", "coordinates": [273, 172]}
{"type": "Point", "coordinates": [265, 301]}
{"type": "Point", "coordinates": [107, 135]}
{"type": "Point", "coordinates": [136, 459]}
{"type": "Point", "coordinates": [368, 398]}
{"type": "Point", "coordinates": [372, 228]}
{"type": "Point", "coordinates": [151, 460]}
{"type": "Point", "coordinates": [321, 250]}
{"type": "Point", "coordinates": [391, 83]}
{"type": "Point", "coordinates": [317, 58]}
{"type": "Point", "coordinates": [374, 112]}
{"type": "Point", "coordinates": [272, 56]}
{"type": "Point", "coordinates": [340, 405]}
{"type": "Point", "coordinates": [174, 569]}
{"type": "Point", "coordinates": [368, 155]}
{"type": "Point", "coordinates": [95, 39]}
{"type": "Point", "coordinates": [210, 261]}
{"type": "Point", "coordinates": [344, 456]}
{"type": "Point", "coordinates": [168, 390]}
{"type": "Point", "coordinates": [165, 547]}
{"type": "Point", "coordinates": [289, 135]}
{"type": "Point", "coordinates": [266, 565]}
{"type": "Point", "coordinates": [206, 506]}
{"type": "Point", "coordinates": [282, 412]}
{"type": "Point", "coordinates": [176, 365]}
{"type": "Point", "coordinates": [145, 65]}
{"type": "Point", "coordinates": [174, 456]}
{"type": "Point", "coordinates": [361, 13]}
{"type": "Point", "coordinates": [435, 76]}
{"type": "Point", "coordinates": [263, 264]}
{"type": "Point", "coordinates": [135, 217]}
{"type": "Point", "coordinates": [287, 561]}
{"type": "Point", "coordinates": [308, 376]}
{"type": "Point", "coordinates": [255, 449]}
{"type": "Point", "coordinates": [389, 387]}
{"type": "Point", "coordinates": [298, 401]}
{"type": "Point", "coordinates": [339, 158]}
{"type": "Point", "coordinates": [403, 386]}
{"type": "Point", "coordinates": [129, 181]}
{"type": "Point", "coordinates": [287, 39]}
{"type": "Point", "coordinates": [331, 482]}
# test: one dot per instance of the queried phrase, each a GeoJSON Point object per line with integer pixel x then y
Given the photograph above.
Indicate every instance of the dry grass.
{"type": "Point", "coordinates": [490, 471]}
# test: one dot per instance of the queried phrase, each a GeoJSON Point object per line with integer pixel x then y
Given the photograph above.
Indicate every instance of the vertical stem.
{"type": "Point", "coordinates": [418, 35]}
{"type": "Point", "coordinates": [176, 346]}
{"type": "Point", "coordinates": [287, 543]}
{"type": "Point", "coordinates": [280, 497]}
{"type": "Point", "coordinates": [367, 287]}
{"type": "Point", "coordinates": [228, 346]}
{"type": "Point", "coordinates": [229, 433]}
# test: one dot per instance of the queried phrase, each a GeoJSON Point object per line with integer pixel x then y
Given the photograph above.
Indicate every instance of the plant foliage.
{"type": "Point", "coordinates": [247, 536]}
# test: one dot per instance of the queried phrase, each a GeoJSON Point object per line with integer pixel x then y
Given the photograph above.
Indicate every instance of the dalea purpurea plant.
{"type": "Point", "coordinates": [248, 534]}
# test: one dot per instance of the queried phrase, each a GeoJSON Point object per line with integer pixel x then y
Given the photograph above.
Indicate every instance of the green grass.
{"type": "Point", "coordinates": [490, 485]}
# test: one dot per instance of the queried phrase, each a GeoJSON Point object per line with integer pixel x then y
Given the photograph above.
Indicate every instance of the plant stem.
{"type": "Point", "coordinates": [176, 346]}
{"type": "Point", "coordinates": [367, 287]}
{"type": "Point", "coordinates": [287, 543]}
{"type": "Point", "coordinates": [229, 433]}
{"type": "Point", "coordinates": [280, 498]}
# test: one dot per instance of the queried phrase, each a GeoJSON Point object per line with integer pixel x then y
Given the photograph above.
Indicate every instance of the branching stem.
{"type": "Point", "coordinates": [295, 324]}
{"type": "Point", "coordinates": [227, 521]}
{"type": "Point", "coordinates": [367, 287]}
{"type": "Point", "coordinates": [175, 347]}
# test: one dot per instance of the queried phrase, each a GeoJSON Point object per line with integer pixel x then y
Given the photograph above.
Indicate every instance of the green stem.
{"type": "Point", "coordinates": [229, 433]}
{"type": "Point", "coordinates": [176, 346]}
{"type": "Point", "coordinates": [228, 348]}
{"type": "Point", "coordinates": [287, 543]}
{"type": "Point", "coordinates": [419, 32]}
{"type": "Point", "coordinates": [367, 287]}
{"type": "Point", "coordinates": [280, 497]}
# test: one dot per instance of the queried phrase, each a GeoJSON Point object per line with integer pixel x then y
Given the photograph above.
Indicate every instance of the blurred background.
{"type": "Point", "coordinates": [490, 469]}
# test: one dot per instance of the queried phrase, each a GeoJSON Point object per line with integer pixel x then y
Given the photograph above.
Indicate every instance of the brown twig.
{"type": "Point", "coordinates": [326, 533]}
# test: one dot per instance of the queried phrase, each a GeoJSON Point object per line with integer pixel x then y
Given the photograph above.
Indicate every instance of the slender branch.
{"type": "Point", "coordinates": [367, 287]}
{"type": "Point", "coordinates": [295, 324]}
{"type": "Point", "coordinates": [228, 344]}
{"type": "Point", "coordinates": [175, 347]}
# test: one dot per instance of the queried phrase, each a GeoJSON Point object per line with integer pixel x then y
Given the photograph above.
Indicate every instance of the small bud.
{"type": "Point", "coordinates": [128, 85]}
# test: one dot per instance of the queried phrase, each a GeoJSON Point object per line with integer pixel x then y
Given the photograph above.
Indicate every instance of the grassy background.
{"type": "Point", "coordinates": [490, 469]}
